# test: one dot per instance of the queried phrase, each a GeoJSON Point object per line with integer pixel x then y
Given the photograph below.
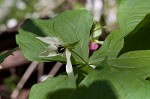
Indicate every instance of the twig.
{"type": "Point", "coordinates": [40, 71]}
{"type": "Point", "coordinates": [23, 80]}
{"type": "Point", "coordinates": [55, 69]}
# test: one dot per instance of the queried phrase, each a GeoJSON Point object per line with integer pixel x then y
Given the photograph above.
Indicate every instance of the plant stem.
{"type": "Point", "coordinates": [79, 57]}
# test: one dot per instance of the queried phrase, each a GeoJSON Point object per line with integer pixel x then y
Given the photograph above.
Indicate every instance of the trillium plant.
{"type": "Point", "coordinates": [119, 69]}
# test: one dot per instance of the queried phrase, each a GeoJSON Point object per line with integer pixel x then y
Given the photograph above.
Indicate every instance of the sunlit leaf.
{"type": "Point", "coordinates": [66, 27]}
{"type": "Point", "coordinates": [131, 13]}
{"type": "Point", "coordinates": [139, 38]}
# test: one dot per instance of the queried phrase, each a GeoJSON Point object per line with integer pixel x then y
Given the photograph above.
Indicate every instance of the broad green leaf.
{"type": "Point", "coordinates": [90, 89]}
{"type": "Point", "coordinates": [66, 27]}
{"type": "Point", "coordinates": [130, 13]}
{"type": "Point", "coordinates": [81, 72]}
{"type": "Point", "coordinates": [53, 88]}
{"type": "Point", "coordinates": [139, 38]}
{"type": "Point", "coordinates": [111, 47]}
{"type": "Point", "coordinates": [119, 83]}
{"type": "Point", "coordinates": [4, 55]}
{"type": "Point", "coordinates": [60, 87]}
{"type": "Point", "coordinates": [94, 88]}
{"type": "Point", "coordinates": [137, 62]}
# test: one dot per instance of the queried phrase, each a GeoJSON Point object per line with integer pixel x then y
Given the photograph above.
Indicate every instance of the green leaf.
{"type": "Point", "coordinates": [66, 26]}
{"type": "Point", "coordinates": [131, 13]}
{"type": "Point", "coordinates": [120, 83]}
{"type": "Point", "coordinates": [94, 88]}
{"type": "Point", "coordinates": [135, 61]}
{"type": "Point", "coordinates": [81, 71]}
{"type": "Point", "coordinates": [139, 38]}
{"type": "Point", "coordinates": [4, 55]}
{"type": "Point", "coordinates": [60, 87]}
{"type": "Point", "coordinates": [53, 88]}
{"type": "Point", "coordinates": [111, 47]}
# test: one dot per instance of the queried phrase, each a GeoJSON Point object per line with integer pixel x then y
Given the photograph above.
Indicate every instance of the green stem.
{"type": "Point", "coordinates": [79, 56]}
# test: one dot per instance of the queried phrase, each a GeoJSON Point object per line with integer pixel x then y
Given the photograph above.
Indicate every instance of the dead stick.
{"type": "Point", "coordinates": [40, 71]}
{"type": "Point", "coordinates": [23, 80]}
{"type": "Point", "coordinates": [55, 69]}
